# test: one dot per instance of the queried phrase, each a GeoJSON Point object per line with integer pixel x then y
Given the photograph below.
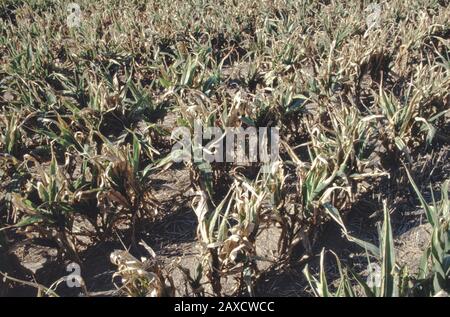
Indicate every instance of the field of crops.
{"type": "Point", "coordinates": [99, 198]}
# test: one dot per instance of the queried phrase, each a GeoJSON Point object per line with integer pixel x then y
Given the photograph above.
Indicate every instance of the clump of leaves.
{"type": "Point", "coordinates": [142, 278]}
{"type": "Point", "coordinates": [394, 280]}
{"type": "Point", "coordinates": [50, 213]}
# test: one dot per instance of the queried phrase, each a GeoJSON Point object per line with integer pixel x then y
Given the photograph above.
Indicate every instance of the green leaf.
{"type": "Point", "coordinates": [165, 83]}
{"type": "Point", "coordinates": [388, 257]}
{"type": "Point", "coordinates": [400, 143]}
{"type": "Point", "coordinates": [335, 215]}
{"type": "Point", "coordinates": [215, 216]}
{"type": "Point", "coordinates": [136, 153]}
{"type": "Point", "coordinates": [374, 250]}
{"type": "Point", "coordinates": [248, 121]}
{"type": "Point", "coordinates": [429, 211]}
{"type": "Point", "coordinates": [313, 283]}
{"type": "Point", "coordinates": [26, 221]}
{"type": "Point", "coordinates": [53, 164]}
{"type": "Point", "coordinates": [323, 289]}
{"type": "Point", "coordinates": [222, 233]}
{"type": "Point", "coordinates": [345, 288]}
{"type": "Point", "coordinates": [42, 191]}
{"type": "Point", "coordinates": [423, 267]}
{"type": "Point", "coordinates": [367, 291]}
